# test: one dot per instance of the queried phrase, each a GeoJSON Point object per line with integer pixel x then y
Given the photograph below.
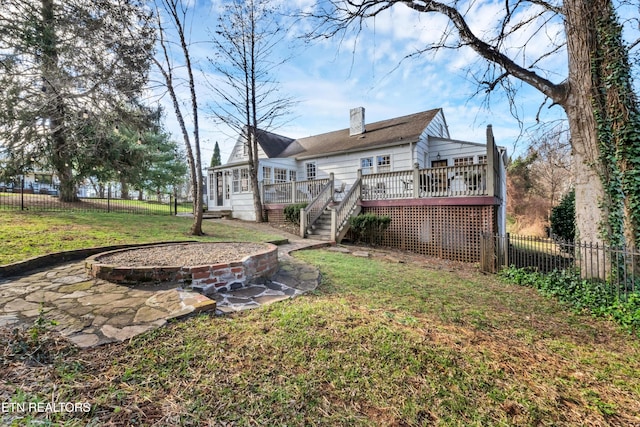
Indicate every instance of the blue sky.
{"type": "Point", "coordinates": [332, 76]}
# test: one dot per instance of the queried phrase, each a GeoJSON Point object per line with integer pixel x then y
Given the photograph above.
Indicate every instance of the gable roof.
{"type": "Point", "coordinates": [399, 130]}
{"type": "Point", "coordinates": [271, 143]}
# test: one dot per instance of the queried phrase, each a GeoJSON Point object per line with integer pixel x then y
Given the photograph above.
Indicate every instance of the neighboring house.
{"type": "Point", "coordinates": [379, 161]}
{"type": "Point", "coordinates": [38, 182]}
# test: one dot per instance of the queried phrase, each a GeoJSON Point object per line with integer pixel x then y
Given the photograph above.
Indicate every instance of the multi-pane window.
{"type": "Point", "coordinates": [212, 186]}
{"type": "Point", "coordinates": [366, 164]}
{"type": "Point", "coordinates": [293, 176]}
{"type": "Point", "coordinates": [240, 180]}
{"type": "Point", "coordinates": [482, 159]}
{"type": "Point", "coordinates": [280, 175]}
{"type": "Point", "coordinates": [235, 182]}
{"type": "Point", "coordinates": [266, 175]}
{"type": "Point", "coordinates": [244, 179]}
{"type": "Point", "coordinates": [462, 161]}
{"type": "Point", "coordinates": [383, 163]}
{"type": "Point", "coordinates": [310, 169]}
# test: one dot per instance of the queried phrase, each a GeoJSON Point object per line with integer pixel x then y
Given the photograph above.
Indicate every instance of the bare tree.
{"type": "Point", "coordinates": [595, 89]}
{"type": "Point", "coordinates": [552, 166]}
{"type": "Point", "coordinates": [173, 14]}
{"type": "Point", "coordinates": [70, 71]}
{"type": "Point", "coordinates": [245, 41]}
{"type": "Point", "coordinates": [537, 181]}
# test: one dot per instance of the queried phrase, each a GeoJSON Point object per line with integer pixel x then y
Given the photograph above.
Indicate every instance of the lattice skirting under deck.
{"type": "Point", "coordinates": [448, 232]}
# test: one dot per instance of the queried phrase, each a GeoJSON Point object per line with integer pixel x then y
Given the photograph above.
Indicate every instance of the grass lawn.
{"type": "Point", "coordinates": [424, 342]}
{"type": "Point", "coordinates": [25, 235]}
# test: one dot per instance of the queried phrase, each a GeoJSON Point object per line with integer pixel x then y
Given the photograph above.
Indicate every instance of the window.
{"type": "Point", "coordinates": [384, 163]}
{"type": "Point", "coordinates": [293, 176]}
{"type": "Point", "coordinates": [240, 180]}
{"type": "Point", "coordinates": [482, 159]}
{"type": "Point", "coordinates": [212, 186]}
{"type": "Point", "coordinates": [236, 181]}
{"type": "Point", "coordinates": [244, 179]}
{"type": "Point", "coordinates": [280, 175]}
{"type": "Point", "coordinates": [311, 170]}
{"type": "Point", "coordinates": [439, 163]}
{"type": "Point", "coordinates": [366, 164]}
{"type": "Point", "coordinates": [266, 175]}
{"type": "Point", "coordinates": [44, 179]}
{"type": "Point", "coordinates": [462, 161]}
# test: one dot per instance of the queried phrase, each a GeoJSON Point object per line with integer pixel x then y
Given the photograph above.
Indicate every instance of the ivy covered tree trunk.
{"type": "Point", "coordinates": [604, 123]}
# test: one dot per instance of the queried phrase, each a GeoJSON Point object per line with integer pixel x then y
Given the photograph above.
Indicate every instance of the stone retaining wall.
{"type": "Point", "coordinates": [205, 278]}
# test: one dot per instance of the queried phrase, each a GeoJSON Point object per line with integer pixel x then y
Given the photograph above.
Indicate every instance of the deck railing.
{"type": "Point", "coordinates": [348, 206]}
{"type": "Point", "coordinates": [316, 207]}
{"type": "Point", "coordinates": [451, 181]}
{"type": "Point", "coordinates": [293, 191]}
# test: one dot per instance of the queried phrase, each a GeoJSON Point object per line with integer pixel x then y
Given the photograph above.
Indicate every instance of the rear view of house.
{"type": "Point", "coordinates": [440, 192]}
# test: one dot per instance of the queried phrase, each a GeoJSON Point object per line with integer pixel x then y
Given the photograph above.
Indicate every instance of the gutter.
{"type": "Point", "coordinates": [358, 150]}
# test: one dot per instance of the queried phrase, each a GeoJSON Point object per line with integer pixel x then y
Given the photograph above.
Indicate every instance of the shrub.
{"type": "Point", "coordinates": [598, 297]}
{"type": "Point", "coordinates": [369, 227]}
{"type": "Point", "coordinates": [292, 212]}
{"type": "Point", "coordinates": [563, 218]}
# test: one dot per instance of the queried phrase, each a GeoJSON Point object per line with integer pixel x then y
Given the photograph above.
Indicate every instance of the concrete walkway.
{"type": "Point", "coordinates": [92, 312]}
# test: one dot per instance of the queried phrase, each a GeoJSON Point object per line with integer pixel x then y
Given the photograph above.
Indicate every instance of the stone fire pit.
{"type": "Point", "coordinates": [203, 266]}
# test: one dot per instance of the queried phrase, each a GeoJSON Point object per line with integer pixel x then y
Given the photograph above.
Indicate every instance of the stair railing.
{"type": "Point", "coordinates": [313, 211]}
{"type": "Point", "coordinates": [340, 214]}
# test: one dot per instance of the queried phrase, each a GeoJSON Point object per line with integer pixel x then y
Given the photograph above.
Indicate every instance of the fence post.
{"type": "Point", "coordinates": [491, 178]}
{"type": "Point", "coordinates": [109, 198]}
{"type": "Point", "coordinates": [22, 193]}
{"type": "Point", "coordinates": [294, 196]}
{"type": "Point", "coordinates": [334, 226]}
{"type": "Point", "coordinates": [303, 223]}
{"type": "Point", "coordinates": [416, 180]}
{"type": "Point", "coordinates": [170, 202]}
{"type": "Point", "coordinates": [175, 203]}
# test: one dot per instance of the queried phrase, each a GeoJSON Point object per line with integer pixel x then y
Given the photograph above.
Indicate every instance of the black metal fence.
{"type": "Point", "coordinates": [108, 199]}
{"type": "Point", "coordinates": [618, 267]}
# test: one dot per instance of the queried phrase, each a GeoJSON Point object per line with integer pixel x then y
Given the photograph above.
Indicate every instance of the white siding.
{"type": "Point", "coordinates": [345, 166]}
{"type": "Point", "coordinates": [242, 205]}
{"type": "Point", "coordinates": [449, 149]}
{"type": "Point", "coordinates": [438, 126]}
{"type": "Point", "coordinates": [421, 150]}
{"type": "Point", "coordinates": [238, 152]}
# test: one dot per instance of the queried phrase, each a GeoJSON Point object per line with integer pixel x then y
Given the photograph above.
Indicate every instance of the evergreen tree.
{"type": "Point", "coordinates": [215, 159]}
{"type": "Point", "coordinates": [70, 70]}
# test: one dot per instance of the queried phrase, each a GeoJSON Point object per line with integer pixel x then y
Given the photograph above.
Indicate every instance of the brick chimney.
{"type": "Point", "coordinates": [357, 121]}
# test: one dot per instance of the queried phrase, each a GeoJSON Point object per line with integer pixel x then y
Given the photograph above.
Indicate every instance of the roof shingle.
{"type": "Point", "coordinates": [403, 129]}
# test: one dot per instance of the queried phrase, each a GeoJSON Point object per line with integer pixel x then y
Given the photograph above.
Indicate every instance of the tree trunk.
{"type": "Point", "coordinates": [253, 175]}
{"type": "Point", "coordinates": [582, 124]}
{"type": "Point", "coordinates": [67, 189]}
{"type": "Point", "coordinates": [56, 108]}
{"type": "Point", "coordinates": [124, 190]}
{"type": "Point", "coordinates": [600, 107]}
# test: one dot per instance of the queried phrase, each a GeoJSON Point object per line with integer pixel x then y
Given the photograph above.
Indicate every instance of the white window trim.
{"type": "Point", "coordinates": [377, 164]}
{"type": "Point", "coordinates": [306, 170]}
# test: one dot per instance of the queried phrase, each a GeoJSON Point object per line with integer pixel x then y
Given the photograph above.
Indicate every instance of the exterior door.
{"type": "Point", "coordinates": [219, 189]}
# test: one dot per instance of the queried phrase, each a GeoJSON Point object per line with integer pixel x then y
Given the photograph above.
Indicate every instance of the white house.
{"type": "Point", "coordinates": [441, 193]}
